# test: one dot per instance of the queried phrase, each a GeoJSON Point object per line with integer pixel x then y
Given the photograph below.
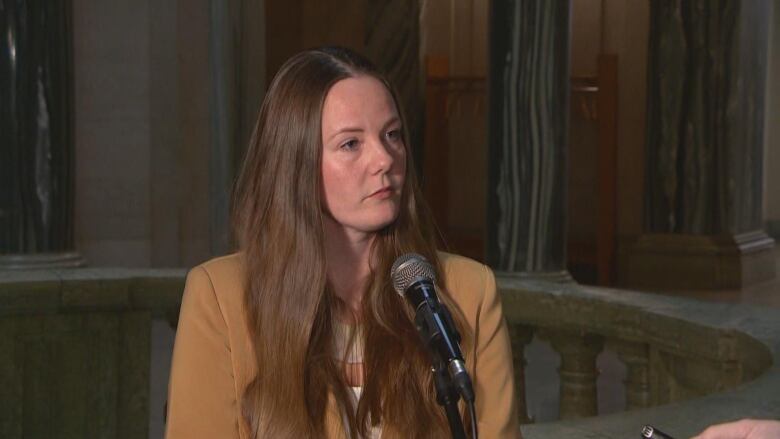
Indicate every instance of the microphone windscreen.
{"type": "Point", "coordinates": [408, 269]}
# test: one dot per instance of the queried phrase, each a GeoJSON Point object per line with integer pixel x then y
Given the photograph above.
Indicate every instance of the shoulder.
{"type": "Point", "coordinates": [228, 266]}
{"type": "Point", "coordinates": [219, 283]}
{"type": "Point", "coordinates": [460, 269]}
{"type": "Point", "coordinates": [225, 274]}
{"type": "Point", "coordinates": [467, 281]}
{"type": "Point", "coordinates": [452, 261]}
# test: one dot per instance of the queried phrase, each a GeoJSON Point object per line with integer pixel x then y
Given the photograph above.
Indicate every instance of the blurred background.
{"type": "Point", "coordinates": [629, 144]}
{"type": "Point", "coordinates": [149, 106]}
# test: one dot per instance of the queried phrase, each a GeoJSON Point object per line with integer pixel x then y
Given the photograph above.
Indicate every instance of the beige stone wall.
{"type": "Point", "coordinates": [165, 179]}
{"type": "Point", "coordinates": [190, 211]}
{"type": "Point", "coordinates": [586, 34]}
{"type": "Point", "coordinates": [295, 25]}
{"type": "Point", "coordinates": [618, 28]}
{"type": "Point", "coordinates": [626, 26]}
{"type": "Point", "coordinates": [435, 24]}
{"type": "Point", "coordinates": [112, 131]}
{"type": "Point", "coordinates": [142, 132]}
{"type": "Point", "coordinates": [772, 126]}
{"type": "Point", "coordinates": [582, 153]}
{"type": "Point", "coordinates": [458, 30]}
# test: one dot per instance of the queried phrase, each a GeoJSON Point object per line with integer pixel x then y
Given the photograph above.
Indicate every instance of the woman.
{"type": "Point", "coordinates": [300, 334]}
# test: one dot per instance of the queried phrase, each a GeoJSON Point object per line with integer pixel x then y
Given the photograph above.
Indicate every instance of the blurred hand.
{"type": "Point", "coordinates": [743, 429]}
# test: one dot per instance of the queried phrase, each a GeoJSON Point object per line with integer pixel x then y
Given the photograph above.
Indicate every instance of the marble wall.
{"type": "Point", "coordinates": [707, 87]}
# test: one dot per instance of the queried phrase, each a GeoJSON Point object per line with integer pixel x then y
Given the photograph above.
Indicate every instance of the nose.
{"type": "Point", "coordinates": [382, 158]}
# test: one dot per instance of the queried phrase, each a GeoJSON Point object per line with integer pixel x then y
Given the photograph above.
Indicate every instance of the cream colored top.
{"type": "Point", "coordinates": [213, 358]}
{"type": "Point", "coordinates": [352, 353]}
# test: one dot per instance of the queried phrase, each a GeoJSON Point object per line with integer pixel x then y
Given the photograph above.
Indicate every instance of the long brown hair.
{"type": "Point", "coordinates": [289, 304]}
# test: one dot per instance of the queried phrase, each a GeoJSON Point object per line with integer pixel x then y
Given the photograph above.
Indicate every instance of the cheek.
{"type": "Point", "coordinates": [335, 184]}
{"type": "Point", "coordinates": [329, 183]}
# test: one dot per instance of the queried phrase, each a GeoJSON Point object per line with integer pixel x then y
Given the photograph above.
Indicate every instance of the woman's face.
{"type": "Point", "coordinates": [363, 157]}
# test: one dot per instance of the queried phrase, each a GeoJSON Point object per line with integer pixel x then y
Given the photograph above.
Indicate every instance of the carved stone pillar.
{"type": "Point", "coordinates": [578, 372]}
{"type": "Point", "coordinates": [636, 357]}
{"type": "Point", "coordinates": [705, 121]}
{"type": "Point", "coordinates": [36, 135]}
{"type": "Point", "coordinates": [520, 337]}
{"type": "Point", "coordinates": [528, 125]}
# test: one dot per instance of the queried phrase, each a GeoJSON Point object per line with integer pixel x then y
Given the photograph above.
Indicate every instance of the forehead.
{"type": "Point", "coordinates": [356, 101]}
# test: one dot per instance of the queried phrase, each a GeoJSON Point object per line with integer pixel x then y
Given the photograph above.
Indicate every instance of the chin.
{"type": "Point", "coordinates": [379, 225]}
{"type": "Point", "coordinates": [380, 222]}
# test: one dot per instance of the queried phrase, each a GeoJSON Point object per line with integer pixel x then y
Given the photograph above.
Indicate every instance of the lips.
{"type": "Point", "coordinates": [382, 193]}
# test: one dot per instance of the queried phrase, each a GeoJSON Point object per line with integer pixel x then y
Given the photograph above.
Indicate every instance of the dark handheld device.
{"type": "Point", "coordinates": [650, 432]}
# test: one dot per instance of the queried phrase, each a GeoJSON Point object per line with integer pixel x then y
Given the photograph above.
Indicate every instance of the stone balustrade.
{"type": "Point", "coordinates": [688, 363]}
{"type": "Point", "coordinates": [75, 350]}
{"type": "Point", "coordinates": [75, 354]}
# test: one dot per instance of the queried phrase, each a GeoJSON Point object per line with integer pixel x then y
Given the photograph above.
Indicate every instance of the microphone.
{"type": "Point", "coordinates": [650, 432]}
{"type": "Point", "coordinates": [414, 278]}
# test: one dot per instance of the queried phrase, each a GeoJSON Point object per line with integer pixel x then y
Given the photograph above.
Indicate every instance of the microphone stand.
{"type": "Point", "coordinates": [447, 397]}
{"type": "Point", "coordinates": [447, 394]}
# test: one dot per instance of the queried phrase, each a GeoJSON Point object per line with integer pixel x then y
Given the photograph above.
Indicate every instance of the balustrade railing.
{"type": "Point", "coordinates": [673, 350]}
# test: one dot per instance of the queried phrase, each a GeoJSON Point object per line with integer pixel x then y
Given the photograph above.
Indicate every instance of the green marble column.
{"type": "Point", "coordinates": [528, 126]}
{"type": "Point", "coordinates": [704, 161]}
{"type": "Point", "coordinates": [36, 129]}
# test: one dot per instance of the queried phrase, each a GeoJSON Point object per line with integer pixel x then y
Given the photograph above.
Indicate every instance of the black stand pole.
{"type": "Point", "coordinates": [447, 397]}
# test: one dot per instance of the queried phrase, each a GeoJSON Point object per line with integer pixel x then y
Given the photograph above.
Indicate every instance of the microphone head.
{"type": "Point", "coordinates": [408, 269]}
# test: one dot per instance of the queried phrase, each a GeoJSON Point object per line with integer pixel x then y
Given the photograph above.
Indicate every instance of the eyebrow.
{"type": "Point", "coordinates": [389, 122]}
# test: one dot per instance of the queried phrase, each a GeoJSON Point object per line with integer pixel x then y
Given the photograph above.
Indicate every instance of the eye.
{"type": "Point", "coordinates": [394, 135]}
{"type": "Point", "coordinates": [350, 145]}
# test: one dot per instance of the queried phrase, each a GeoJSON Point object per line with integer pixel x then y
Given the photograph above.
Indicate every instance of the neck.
{"type": "Point", "coordinates": [348, 256]}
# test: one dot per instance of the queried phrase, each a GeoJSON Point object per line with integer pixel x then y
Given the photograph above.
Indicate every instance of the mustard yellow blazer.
{"type": "Point", "coordinates": [213, 357]}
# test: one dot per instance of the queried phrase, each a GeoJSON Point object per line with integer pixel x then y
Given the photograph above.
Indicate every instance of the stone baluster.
{"type": "Point", "coordinates": [577, 372]}
{"type": "Point", "coordinates": [730, 374]}
{"type": "Point", "coordinates": [520, 336]}
{"type": "Point", "coordinates": [636, 357]}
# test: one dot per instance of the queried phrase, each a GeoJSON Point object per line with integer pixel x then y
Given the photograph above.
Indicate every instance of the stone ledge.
{"type": "Point", "coordinates": [90, 289]}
